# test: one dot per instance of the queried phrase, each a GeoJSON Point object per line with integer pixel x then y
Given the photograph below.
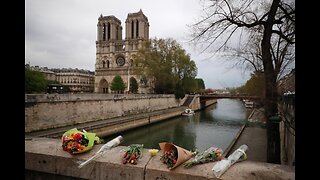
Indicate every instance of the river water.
{"type": "Point", "coordinates": [216, 126]}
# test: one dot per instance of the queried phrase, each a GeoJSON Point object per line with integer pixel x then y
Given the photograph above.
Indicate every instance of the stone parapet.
{"type": "Point", "coordinates": [46, 155]}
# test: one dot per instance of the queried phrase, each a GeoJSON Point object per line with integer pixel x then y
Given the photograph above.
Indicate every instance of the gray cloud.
{"type": "Point", "coordinates": [63, 33]}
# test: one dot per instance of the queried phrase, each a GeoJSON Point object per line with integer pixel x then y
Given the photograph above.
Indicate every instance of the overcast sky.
{"type": "Point", "coordinates": [62, 33]}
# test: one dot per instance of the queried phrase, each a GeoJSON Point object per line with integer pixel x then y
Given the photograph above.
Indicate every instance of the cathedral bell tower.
{"type": "Point", "coordinates": [113, 54]}
{"type": "Point", "coordinates": [137, 30]}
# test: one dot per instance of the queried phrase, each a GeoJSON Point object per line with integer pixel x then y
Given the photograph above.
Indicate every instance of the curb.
{"type": "Point", "coordinates": [226, 152]}
{"type": "Point", "coordinates": [251, 113]}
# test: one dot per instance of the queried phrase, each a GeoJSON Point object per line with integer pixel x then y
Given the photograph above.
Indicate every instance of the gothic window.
{"type": "Point", "coordinates": [109, 31]}
{"type": "Point", "coordinates": [117, 31]}
{"type": "Point", "coordinates": [132, 28]}
{"type": "Point", "coordinates": [120, 61]}
{"type": "Point", "coordinates": [108, 63]}
{"type": "Point", "coordinates": [103, 64]}
{"type": "Point", "coordinates": [137, 29]}
{"type": "Point", "coordinates": [104, 32]}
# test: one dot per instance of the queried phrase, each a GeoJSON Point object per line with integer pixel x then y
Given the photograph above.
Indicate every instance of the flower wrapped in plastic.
{"type": "Point", "coordinates": [75, 141]}
{"type": "Point", "coordinates": [209, 155]}
{"type": "Point", "coordinates": [173, 155]}
{"type": "Point", "coordinates": [222, 166]}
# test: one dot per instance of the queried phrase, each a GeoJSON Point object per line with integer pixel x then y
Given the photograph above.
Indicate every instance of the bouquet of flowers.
{"type": "Point", "coordinates": [211, 154]}
{"type": "Point", "coordinates": [110, 144]}
{"type": "Point", "coordinates": [132, 154]}
{"type": "Point", "coordinates": [222, 166]}
{"type": "Point", "coordinates": [75, 141]}
{"type": "Point", "coordinates": [173, 155]}
{"type": "Point", "coordinates": [169, 157]}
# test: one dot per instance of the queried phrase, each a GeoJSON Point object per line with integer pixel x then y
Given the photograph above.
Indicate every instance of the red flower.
{"type": "Point", "coordinates": [77, 137]}
{"type": "Point", "coordinates": [170, 157]}
{"type": "Point", "coordinates": [133, 154]}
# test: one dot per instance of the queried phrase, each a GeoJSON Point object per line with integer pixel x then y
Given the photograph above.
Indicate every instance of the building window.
{"type": "Point", "coordinates": [109, 31]}
{"type": "Point", "coordinates": [104, 32]}
{"type": "Point", "coordinates": [132, 28]}
{"type": "Point", "coordinates": [137, 29]}
{"type": "Point", "coordinates": [117, 31]}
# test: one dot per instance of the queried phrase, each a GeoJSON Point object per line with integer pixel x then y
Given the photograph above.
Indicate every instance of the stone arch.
{"type": "Point", "coordinates": [133, 85]}
{"type": "Point", "coordinates": [103, 86]}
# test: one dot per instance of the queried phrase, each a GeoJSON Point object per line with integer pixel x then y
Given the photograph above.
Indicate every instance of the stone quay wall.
{"type": "Point", "coordinates": [45, 111]}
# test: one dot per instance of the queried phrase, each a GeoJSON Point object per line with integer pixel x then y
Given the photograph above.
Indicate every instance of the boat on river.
{"type": "Point", "coordinates": [248, 104]}
{"type": "Point", "coordinates": [187, 112]}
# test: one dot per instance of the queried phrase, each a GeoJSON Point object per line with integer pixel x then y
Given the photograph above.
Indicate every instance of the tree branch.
{"type": "Point", "coordinates": [283, 36]}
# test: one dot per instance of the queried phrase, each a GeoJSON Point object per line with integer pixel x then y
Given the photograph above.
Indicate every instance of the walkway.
{"type": "Point", "coordinates": [254, 135]}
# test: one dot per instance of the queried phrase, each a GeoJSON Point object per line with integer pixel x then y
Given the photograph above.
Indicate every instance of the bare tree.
{"type": "Point", "coordinates": [272, 23]}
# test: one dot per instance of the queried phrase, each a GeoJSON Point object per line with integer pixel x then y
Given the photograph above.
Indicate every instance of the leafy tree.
{"type": "Point", "coordinates": [200, 85]}
{"type": "Point", "coordinates": [35, 81]}
{"type": "Point", "coordinates": [144, 80]}
{"type": "Point", "coordinates": [133, 85]}
{"type": "Point", "coordinates": [66, 88]}
{"type": "Point", "coordinates": [189, 85]}
{"type": "Point", "coordinates": [272, 20]}
{"type": "Point", "coordinates": [254, 86]}
{"type": "Point", "coordinates": [178, 91]}
{"type": "Point", "coordinates": [166, 64]}
{"type": "Point", "coordinates": [117, 84]}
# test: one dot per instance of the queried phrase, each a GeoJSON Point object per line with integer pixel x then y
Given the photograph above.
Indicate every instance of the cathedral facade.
{"type": "Point", "coordinates": [114, 54]}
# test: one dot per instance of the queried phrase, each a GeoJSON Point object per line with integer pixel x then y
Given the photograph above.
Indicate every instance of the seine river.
{"type": "Point", "coordinates": [216, 126]}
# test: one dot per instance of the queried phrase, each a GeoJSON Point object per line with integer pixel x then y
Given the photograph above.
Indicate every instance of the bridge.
{"type": "Point", "coordinates": [230, 96]}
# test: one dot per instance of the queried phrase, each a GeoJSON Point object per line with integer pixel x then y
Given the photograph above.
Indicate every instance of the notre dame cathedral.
{"type": "Point", "coordinates": [114, 55]}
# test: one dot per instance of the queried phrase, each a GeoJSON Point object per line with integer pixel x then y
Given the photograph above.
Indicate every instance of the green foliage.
{"type": "Point", "coordinates": [117, 84]}
{"type": "Point", "coordinates": [255, 86]}
{"type": "Point", "coordinates": [179, 93]}
{"type": "Point", "coordinates": [189, 85]}
{"type": "Point", "coordinates": [144, 80]}
{"type": "Point", "coordinates": [133, 85]}
{"type": "Point", "coordinates": [165, 62]}
{"type": "Point", "coordinates": [66, 88]}
{"type": "Point", "coordinates": [200, 87]}
{"type": "Point", "coordinates": [35, 81]}
{"type": "Point", "coordinates": [200, 83]}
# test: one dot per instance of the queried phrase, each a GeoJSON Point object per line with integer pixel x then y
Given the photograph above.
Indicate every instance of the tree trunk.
{"type": "Point", "coordinates": [271, 109]}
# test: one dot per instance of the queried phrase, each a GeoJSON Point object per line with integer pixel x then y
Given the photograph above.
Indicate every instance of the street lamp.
{"type": "Point", "coordinates": [129, 64]}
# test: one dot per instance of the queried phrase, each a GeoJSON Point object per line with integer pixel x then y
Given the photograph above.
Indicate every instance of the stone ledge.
{"type": "Point", "coordinates": [46, 155]}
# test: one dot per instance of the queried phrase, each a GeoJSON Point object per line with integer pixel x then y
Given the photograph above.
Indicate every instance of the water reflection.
{"type": "Point", "coordinates": [214, 126]}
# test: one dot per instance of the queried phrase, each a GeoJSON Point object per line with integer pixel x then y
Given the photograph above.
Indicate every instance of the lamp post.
{"type": "Point", "coordinates": [128, 77]}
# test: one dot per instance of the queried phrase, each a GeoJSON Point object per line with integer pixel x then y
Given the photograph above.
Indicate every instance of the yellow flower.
{"type": "Point", "coordinates": [81, 148]}
{"type": "Point", "coordinates": [153, 152]}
